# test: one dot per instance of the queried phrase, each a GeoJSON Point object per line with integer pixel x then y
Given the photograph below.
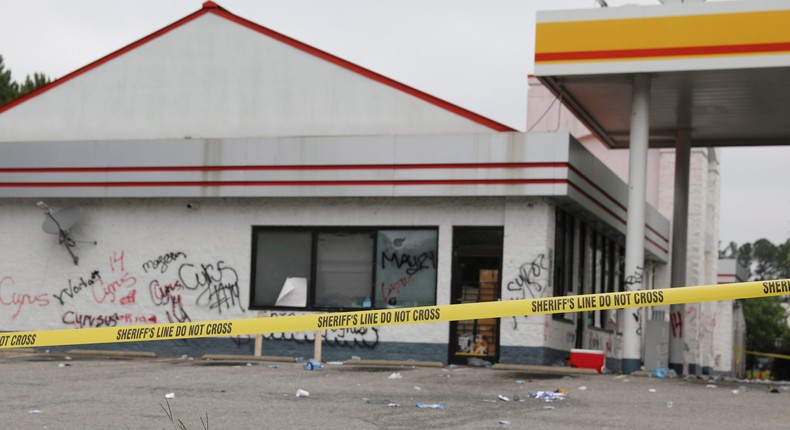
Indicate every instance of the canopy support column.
{"type": "Point", "coordinates": [635, 229]}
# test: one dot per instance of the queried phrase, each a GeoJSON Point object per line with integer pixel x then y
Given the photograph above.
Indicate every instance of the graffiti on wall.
{"type": "Point", "coordinates": [637, 278]}
{"type": "Point", "coordinates": [706, 325]}
{"type": "Point", "coordinates": [531, 282]}
{"type": "Point", "coordinates": [95, 297]}
{"type": "Point", "coordinates": [18, 300]}
{"type": "Point", "coordinates": [217, 284]}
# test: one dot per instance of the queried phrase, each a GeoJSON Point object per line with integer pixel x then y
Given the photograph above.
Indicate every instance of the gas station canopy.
{"type": "Point", "coordinates": [720, 70]}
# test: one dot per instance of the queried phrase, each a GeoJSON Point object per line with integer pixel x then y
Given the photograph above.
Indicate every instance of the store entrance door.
{"type": "Point", "coordinates": [477, 265]}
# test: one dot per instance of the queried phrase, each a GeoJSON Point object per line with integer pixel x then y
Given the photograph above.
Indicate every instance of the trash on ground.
{"type": "Point", "coordinates": [652, 390]}
{"type": "Point", "coordinates": [583, 388]}
{"type": "Point", "coordinates": [429, 405]}
{"type": "Point", "coordinates": [670, 403]}
{"type": "Point", "coordinates": [35, 411]}
{"type": "Point", "coordinates": [503, 422]}
{"type": "Point", "coordinates": [395, 375]}
{"type": "Point", "coordinates": [774, 390]}
{"type": "Point", "coordinates": [711, 386]}
{"type": "Point", "coordinates": [313, 364]}
{"type": "Point", "coordinates": [418, 388]}
{"type": "Point", "coordinates": [659, 372]}
{"type": "Point", "coordinates": [548, 408]}
{"type": "Point", "coordinates": [389, 403]}
{"type": "Point", "coordinates": [504, 398]}
{"type": "Point", "coordinates": [550, 396]}
{"type": "Point", "coordinates": [302, 393]}
{"type": "Point", "coordinates": [477, 362]}
{"type": "Point", "coordinates": [520, 381]}
{"type": "Point", "coordinates": [64, 365]}
{"type": "Point", "coordinates": [170, 395]}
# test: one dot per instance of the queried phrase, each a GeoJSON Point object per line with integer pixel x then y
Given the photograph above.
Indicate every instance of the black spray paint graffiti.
{"type": "Point", "coordinates": [635, 279]}
{"type": "Point", "coordinates": [361, 337]}
{"type": "Point", "coordinates": [218, 285]}
{"type": "Point", "coordinates": [529, 283]}
{"type": "Point", "coordinates": [169, 295]}
{"type": "Point", "coordinates": [75, 287]}
{"type": "Point", "coordinates": [163, 261]}
{"type": "Point", "coordinates": [413, 263]}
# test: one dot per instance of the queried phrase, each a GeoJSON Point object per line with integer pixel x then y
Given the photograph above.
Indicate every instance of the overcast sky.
{"type": "Point", "coordinates": [474, 53]}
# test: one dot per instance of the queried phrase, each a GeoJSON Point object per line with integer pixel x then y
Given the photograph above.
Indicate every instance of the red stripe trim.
{"type": "Point", "coordinates": [615, 216]}
{"type": "Point", "coordinates": [130, 184]}
{"type": "Point", "coordinates": [105, 59]}
{"type": "Point", "coordinates": [279, 168]}
{"type": "Point", "coordinates": [620, 54]}
{"type": "Point", "coordinates": [363, 71]}
{"type": "Point", "coordinates": [314, 183]}
{"type": "Point", "coordinates": [213, 8]}
{"type": "Point", "coordinates": [611, 199]}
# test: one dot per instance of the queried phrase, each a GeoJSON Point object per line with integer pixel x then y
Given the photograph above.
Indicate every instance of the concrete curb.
{"type": "Point", "coordinates": [108, 354]}
{"type": "Point", "coordinates": [247, 358]}
{"type": "Point", "coordinates": [545, 369]}
{"type": "Point", "coordinates": [393, 363]}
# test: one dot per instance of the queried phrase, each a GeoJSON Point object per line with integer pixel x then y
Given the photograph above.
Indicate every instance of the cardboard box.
{"type": "Point", "coordinates": [588, 359]}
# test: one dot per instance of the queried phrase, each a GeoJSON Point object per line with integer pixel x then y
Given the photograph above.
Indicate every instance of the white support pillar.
{"type": "Point", "coordinates": [680, 217]}
{"type": "Point", "coordinates": [635, 229]}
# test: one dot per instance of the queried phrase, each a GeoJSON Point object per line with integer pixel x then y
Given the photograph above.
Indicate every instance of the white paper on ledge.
{"type": "Point", "coordinates": [293, 293]}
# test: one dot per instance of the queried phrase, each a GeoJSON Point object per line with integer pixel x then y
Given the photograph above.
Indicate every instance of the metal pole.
{"type": "Point", "coordinates": [680, 218]}
{"type": "Point", "coordinates": [635, 229]}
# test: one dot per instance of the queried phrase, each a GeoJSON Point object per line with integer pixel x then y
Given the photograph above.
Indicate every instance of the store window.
{"type": "Point", "coordinates": [587, 262]}
{"type": "Point", "coordinates": [328, 268]}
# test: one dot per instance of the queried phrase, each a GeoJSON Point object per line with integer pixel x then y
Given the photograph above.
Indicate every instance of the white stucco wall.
{"type": "Point", "coordinates": [217, 79]}
{"type": "Point", "coordinates": [41, 286]}
{"type": "Point", "coordinates": [527, 267]}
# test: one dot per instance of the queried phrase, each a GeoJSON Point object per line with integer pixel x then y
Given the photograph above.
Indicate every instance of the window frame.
{"type": "Point", "coordinates": [315, 231]}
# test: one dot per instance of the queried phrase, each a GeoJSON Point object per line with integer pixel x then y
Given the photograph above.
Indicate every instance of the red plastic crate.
{"type": "Point", "coordinates": [588, 359]}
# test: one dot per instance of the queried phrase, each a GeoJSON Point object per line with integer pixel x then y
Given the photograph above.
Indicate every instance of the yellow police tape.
{"type": "Point", "coordinates": [386, 317]}
{"type": "Point", "coordinates": [768, 354]}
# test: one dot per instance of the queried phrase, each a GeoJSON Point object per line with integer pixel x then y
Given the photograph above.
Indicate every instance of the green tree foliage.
{"type": "Point", "coordinates": [766, 318]}
{"type": "Point", "coordinates": [8, 88]}
{"type": "Point", "coordinates": [11, 90]}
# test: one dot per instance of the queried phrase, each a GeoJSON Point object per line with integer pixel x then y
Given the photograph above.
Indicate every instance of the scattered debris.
{"type": "Point", "coordinates": [395, 375]}
{"type": "Point", "coordinates": [35, 411]}
{"type": "Point", "coordinates": [711, 386]}
{"type": "Point", "coordinates": [389, 403]}
{"type": "Point", "coordinates": [548, 408]}
{"type": "Point", "coordinates": [170, 395]}
{"type": "Point", "coordinates": [302, 393]}
{"type": "Point", "coordinates": [477, 362]}
{"type": "Point", "coordinates": [583, 388]}
{"type": "Point", "coordinates": [503, 422]}
{"type": "Point", "coordinates": [652, 390]}
{"type": "Point", "coordinates": [550, 396]}
{"type": "Point", "coordinates": [504, 398]}
{"type": "Point", "coordinates": [429, 405]}
{"type": "Point", "coordinates": [313, 364]}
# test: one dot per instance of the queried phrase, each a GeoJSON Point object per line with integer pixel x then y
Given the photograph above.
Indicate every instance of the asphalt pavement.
{"type": "Point", "coordinates": [58, 391]}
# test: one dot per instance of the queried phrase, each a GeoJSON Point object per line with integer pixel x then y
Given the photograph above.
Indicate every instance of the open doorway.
{"type": "Point", "coordinates": [477, 268]}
